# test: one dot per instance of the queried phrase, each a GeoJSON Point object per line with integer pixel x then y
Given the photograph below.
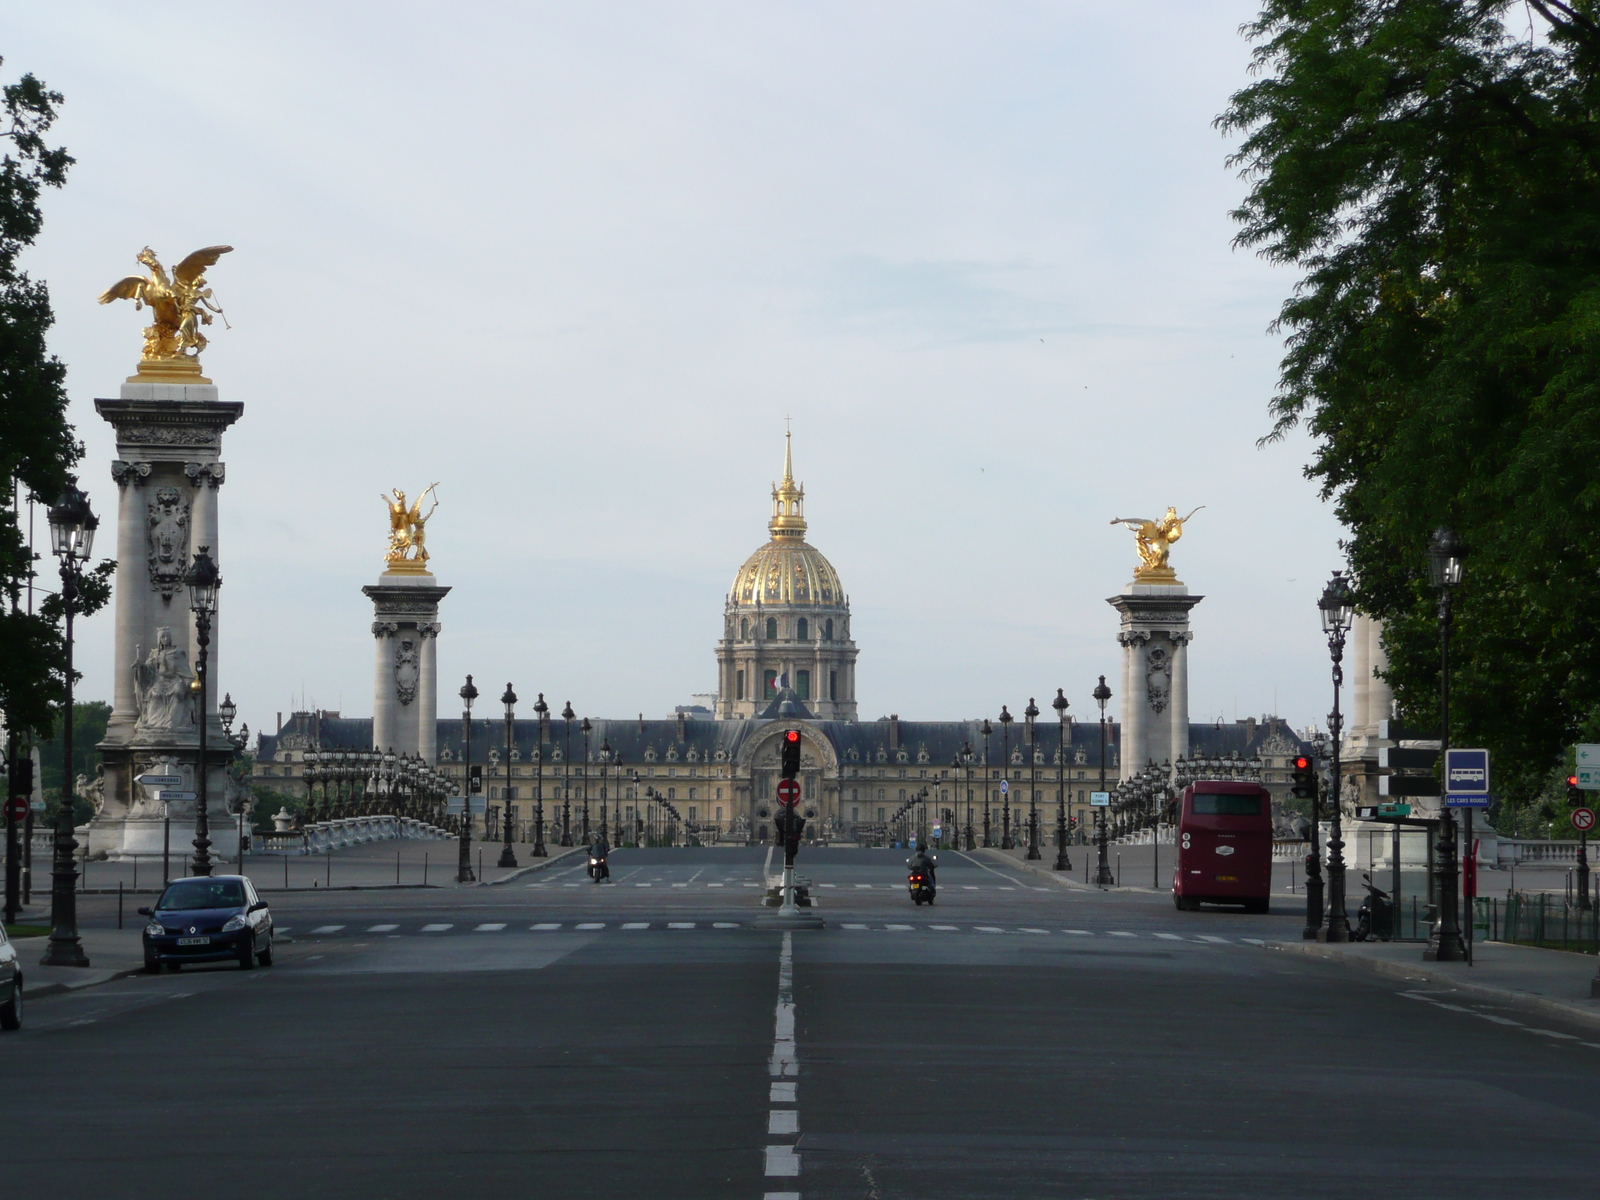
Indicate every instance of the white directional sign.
{"type": "Point", "coordinates": [168, 794]}
{"type": "Point", "coordinates": [159, 781]}
{"type": "Point", "coordinates": [1100, 799]}
{"type": "Point", "coordinates": [1588, 766]}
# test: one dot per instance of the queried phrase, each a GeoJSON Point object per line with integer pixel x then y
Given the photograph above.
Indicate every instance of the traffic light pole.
{"type": "Point", "coordinates": [790, 824]}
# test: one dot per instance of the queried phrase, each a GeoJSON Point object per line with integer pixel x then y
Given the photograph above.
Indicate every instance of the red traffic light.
{"type": "Point", "coordinates": [1572, 781]}
{"type": "Point", "coordinates": [792, 735]}
{"type": "Point", "coordinates": [1302, 763]}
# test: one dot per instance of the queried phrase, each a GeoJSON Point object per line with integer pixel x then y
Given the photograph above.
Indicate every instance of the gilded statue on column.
{"type": "Point", "coordinates": [1154, 540]}
{"type": "Point", "coordinates": [408, 549]}
{"type": "Point", "coordinates": [180, 304]}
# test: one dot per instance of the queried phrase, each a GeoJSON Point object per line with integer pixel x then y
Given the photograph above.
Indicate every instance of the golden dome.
{"type": "Point", "coordinates": [787, 570]}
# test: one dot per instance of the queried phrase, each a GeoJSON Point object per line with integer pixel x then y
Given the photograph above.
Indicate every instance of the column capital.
{"type": "Point", "coordinates": [123, 473]}
{"type": "Point", "coordinates": [429, 629]}
{"type": "Point", "coordinates": [210, 473]}
{"type": "Point", "coordinates": [385, 628]}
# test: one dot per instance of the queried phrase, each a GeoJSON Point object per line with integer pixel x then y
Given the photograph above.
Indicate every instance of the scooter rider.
{"type": "Point", "coordinates": [922, 862]}
{"type": "Point", "coordinates": [598, 852]}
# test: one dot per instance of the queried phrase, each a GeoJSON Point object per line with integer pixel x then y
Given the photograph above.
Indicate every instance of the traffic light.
{"type": "Point", "coordinates": [22, 776]}
{"type": "Point", "coordinates": [1574, 794]}
{"type": "Point", "coordinates": [477, 779]}
{"type": "Point", "coordinates": [791, 753]}
{"type": "Point", "coordinates": [1305, 779]}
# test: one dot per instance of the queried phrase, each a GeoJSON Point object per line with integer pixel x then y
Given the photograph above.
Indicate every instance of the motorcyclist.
{"type": "Point", "coordinates": [922, 863]}
{"type": "Point", "coordinates": [598, 852]}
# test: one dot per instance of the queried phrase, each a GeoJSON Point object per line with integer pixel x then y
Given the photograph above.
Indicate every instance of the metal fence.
{"type": "Point", "coordinates": [1539, 919]}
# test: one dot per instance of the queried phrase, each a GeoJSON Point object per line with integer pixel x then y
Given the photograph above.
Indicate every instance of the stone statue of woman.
{"type": "Point", "coordinates": [161, 683]}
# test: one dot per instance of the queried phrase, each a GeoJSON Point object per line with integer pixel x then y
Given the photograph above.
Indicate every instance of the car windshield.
{"type": "Point", "coordinates": [202, 893]}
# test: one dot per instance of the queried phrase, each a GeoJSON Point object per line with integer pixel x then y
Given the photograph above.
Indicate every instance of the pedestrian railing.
{"type": "Point", "coordinates": [1538, 919]}
{"type": "Point", "coordinates": [324, 836]}
{"type": "Point", "coordinates": [1284, 849]}
{"type": "Point", "coordinates": [1529, 850]}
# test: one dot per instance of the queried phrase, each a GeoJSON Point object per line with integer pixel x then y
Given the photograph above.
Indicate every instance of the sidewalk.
{"type": "Point", "coordinates": [113, 954]}
{"type": "Point", "coordinates": [1552, 982]}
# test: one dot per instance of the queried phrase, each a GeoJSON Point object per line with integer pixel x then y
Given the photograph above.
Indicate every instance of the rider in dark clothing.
{"type": "Point", "coordinates": [921, 862]}
{"type": "Point", "coordinates": [599, 851]}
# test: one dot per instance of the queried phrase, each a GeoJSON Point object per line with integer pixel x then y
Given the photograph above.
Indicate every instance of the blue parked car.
{"type": "Point", "coordinates": [208, 919]}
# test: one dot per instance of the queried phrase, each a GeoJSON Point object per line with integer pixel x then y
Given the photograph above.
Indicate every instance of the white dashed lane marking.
{"type": "Point", "coordinates": [546, 925]}
{"type": "Point", "coordinates": [490, 927]}
{"type": "Point", "coordinates": [436, 928]}
{"type": "Point", "coordinates": [382, 928]}
{"type": "Point", "coordinates": [327, 929]}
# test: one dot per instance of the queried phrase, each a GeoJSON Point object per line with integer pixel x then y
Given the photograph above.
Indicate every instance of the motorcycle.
{"type": "Point", "coordinates": [922, 889]}
{"type": "Point", "coordinates": [1375, 919]}
{"type": "Point", "coordinates": [598, 869]}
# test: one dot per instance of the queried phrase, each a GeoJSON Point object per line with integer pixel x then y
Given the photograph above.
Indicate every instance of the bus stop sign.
{"type": "Point", "coordinates": [1466, 772]}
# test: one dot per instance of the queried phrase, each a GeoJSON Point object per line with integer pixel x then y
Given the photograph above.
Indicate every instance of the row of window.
{"type": "Point", "coordinates": [802, 684]}
{"type": "Point", "coordinates": [554, 796]}
{"type": "Point", "coordinates": [802, 629]}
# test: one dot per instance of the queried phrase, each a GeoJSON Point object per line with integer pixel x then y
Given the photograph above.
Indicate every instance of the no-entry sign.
{"type": "Point", "coordinates": [17, 808]}
{"type": "Point", "coordinates": [789, 792]}
{"type": "Point", "coordinates": [1583, 819]}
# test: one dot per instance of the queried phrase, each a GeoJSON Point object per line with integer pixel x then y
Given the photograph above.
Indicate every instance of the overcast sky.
{"type": "Point", "coordinates": [577, 262]}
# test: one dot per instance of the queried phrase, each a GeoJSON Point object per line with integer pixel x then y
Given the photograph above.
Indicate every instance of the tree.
{"type": "Point", "coordinates": [1436, 176]}
{"type": "Point", "coordinates": [37, 446]}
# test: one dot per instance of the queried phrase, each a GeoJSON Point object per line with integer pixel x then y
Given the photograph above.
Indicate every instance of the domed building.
{"type": "Point", "coordinates": [786, 623]}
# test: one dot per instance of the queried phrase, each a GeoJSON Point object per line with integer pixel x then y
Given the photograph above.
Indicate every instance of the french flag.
{"type": "Point", "coordinates": [781, 682]}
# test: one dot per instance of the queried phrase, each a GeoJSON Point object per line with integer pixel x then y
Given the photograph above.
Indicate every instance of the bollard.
{"type": "Point", "coordinates": [119, 902]}
{"type": "Point", "coordinates": [1119, 868]}
{"type": "Point", "coordinates": [424, 868]}
{"type": "Point", "coordinates": [286, 871]}
{"type": "Point", "coordinates": [397, 868]}
{"type": "Point", "coordinates": [330, 867]}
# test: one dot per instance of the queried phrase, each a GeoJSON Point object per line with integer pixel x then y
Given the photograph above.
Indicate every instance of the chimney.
{"type": "Point", "coordinates": [683, 719]}
{"type": "Point", "coordinates": [894, 731]}
{"type": "Point", "coordinates": [280, 723]}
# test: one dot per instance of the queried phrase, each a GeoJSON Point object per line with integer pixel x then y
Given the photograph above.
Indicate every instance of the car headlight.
{"type": "Point", "coordinates": [155, 929]}
{"type": "Point", "coordinates": [236, 923]}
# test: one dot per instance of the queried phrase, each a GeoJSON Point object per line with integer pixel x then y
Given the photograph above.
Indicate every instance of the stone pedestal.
{"type": "Point", "coordinates": [405, 704]}
{"type": "Point", "coordinates": [168, 472]}
{"type": "Point", "coordinates": [1372, 701]}
{"type": "Point", "coordinates": [1155, 672]}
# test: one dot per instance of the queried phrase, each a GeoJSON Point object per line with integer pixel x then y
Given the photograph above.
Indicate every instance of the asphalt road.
{"type": "Point", "coordinates": [642, 1039]}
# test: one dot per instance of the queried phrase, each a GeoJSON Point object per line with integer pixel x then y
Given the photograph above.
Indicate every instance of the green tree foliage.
{"type": "Point", "coordinates": [89, 720]}
{"type": "Point", "coordinates": [1435, 174]}
{"type": "Point", "coordinates": [37, 446]}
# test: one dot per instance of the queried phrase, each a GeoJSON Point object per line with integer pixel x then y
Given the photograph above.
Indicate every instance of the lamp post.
{"type": "Point", "coordinates": [203, 581]}
{"type": "Point", "coordinates": [988, 834]}
{"type": "Point", "coordinates": [605, 776]}
{"type": "Point", "coordinates": [541, 710]}
{"type": "Point", "coordinates": [1060, 704]}
{"type": "Point", "coordinates": [1102, 874]}
{"type": "Point", "coordinates": [1313, 850]}
{"type": "Point", "coordinates": [508, 857]}
{"type": "Point", "coordinates": [227, 710]}
{"type": "Point", "coordinates": [616, 801]}
{"type": "Point", "coordinates": [966, 773]}
{"type": "Point", "coordinates": [1005, 778]}
{"type": "Point", "coordinates": [583, 773]}
{"type": "Point", "coordinates": [1338, 612]}
{"type": "Point", "coordinates": [1445, 553]}
{"type": "Point", "coordinates": [464, 873]}
{"type": "Point", "coordinates": [566, 775]}
{"type": "Point", "coordinates": [72, 526]}
{"type": "Point", "coordinates": [1030, 715]}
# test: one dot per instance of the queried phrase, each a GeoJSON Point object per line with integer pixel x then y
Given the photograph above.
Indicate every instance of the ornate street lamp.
{"type": "Point", "coordinates": [541, 710]}
{"type": "Point", "coordinates": [605, 780]}
{"type": "Point", "coordinates": [1060, 704]}
{"type": "Point", "coordinates": [1102, 875]}
{"type": "Point", "coordinates": [988, 834]}
{"type": "Point", "coordinates": [619, 774]}
{"type": "Point", "coordinates": [1005, 778]}
{"type": "Point", "coordinates": [508, 857]}
{"type": "Point", "coordinates": [464, 873]}
{"type": "Point", "coordinates": [1030, 715]}
{"type": "Point", "coordinates": [1445, 555]}
{"type": "Point", "coordinates": [583, 773]}
{"type": "Point", "coordinates": [203, 581]}
{"type": "Point", "coordinates": [566, 776]}
{"type": "Point", "coordinates": [1338, 612]}
{"type": "Point", "coordinates": [72, 526]}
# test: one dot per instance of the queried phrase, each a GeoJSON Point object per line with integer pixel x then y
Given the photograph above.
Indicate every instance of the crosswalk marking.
{"type": "Point", "coordinates": [680, 924]}
{"type": "Point", "coordinates": [899, 927]}
{"type": "Point", "coordinates": [327, 929]}
{"type": "Point", "coordinates": [988, 929]}
{"type": "Point", "coordinates": [641, 885]}
{"type": "Point", "coordinates": [591, 925]}
{"type": "Point", "coordinates": [1122, 933]}
{"type": "Point", "coordinates": [849, 926]}
{"type": "Point", "coordinates": [719, 885]}
{"type": "Point", "coordinates": [1206, 937]}
{"type": "Point", "coordinates": [1170, 937]}
{"type": "Point", "coordinates": [680, 885]}
{"type": "Point", "coordinates": [1187, 938]}
{"type": "Point", "coordinates": [436, 928]}
{"type": "Point", "coordinates": [1079, 932]}
{"type": "Point", "coordinates": [946, 928]}
{"type": "Point", "coordinates": [1025, 930]}
{"type": "Point", "coordinates": [490, 927]}
{"type": "Point", "coordinates": [547, 925]}
{"type": "Point", "coordinates": [725, 925]}
{"type": "Point", "coordinates": [637, 925]}
{"type": "Point", "coordinates": [382, 928]}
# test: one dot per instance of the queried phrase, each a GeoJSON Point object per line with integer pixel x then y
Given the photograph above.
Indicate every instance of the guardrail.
{"type": "Point", "coordinates": [325, 836]}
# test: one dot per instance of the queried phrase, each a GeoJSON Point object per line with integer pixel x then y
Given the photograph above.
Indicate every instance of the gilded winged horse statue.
{"type": "Point", "coordinates": [180, 304]}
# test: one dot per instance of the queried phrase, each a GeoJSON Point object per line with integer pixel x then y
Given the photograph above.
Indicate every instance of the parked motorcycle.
{"type": "Point", "coordinates": [1375, 919]}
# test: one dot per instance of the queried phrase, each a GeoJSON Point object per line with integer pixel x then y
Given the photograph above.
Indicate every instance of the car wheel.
{"type": "Point", "coordinates": [11, 1010]}
{"type": "Point", "coordinates": [265, 957]}
{"type": "Point", "coordinates": [247, 953]}
{"type": "Point", "coordinates": [174, 967]}
{"type": "Point", "coordinates": [152, 965]}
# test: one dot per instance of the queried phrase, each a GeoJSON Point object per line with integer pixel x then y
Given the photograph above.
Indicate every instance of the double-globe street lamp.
{"type": "Point", "coordinates": [1005, 779]}
{"type": "Point", "coordinates": [566, 775]}
{"type": "Point", "coordinates": [1445, 554]}
{"type": "Point", "coordinates": [1338, 612]}
{"type": "Point", "coordinates": [72, 526]}
{"type": "Point", "coordinates": [1030, 715]}
{"type": "Point", "coordinates": [988, 829]}
{"type": "Point", "coordinates": [541, 712]}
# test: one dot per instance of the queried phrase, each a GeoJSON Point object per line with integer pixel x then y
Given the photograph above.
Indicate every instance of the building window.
{"type": "Point", "coordinates": [855, 814]}
{"type": "Point", "coordinates": [692, 811]}
{"type": "Point", "coordinates": [691, 791]}
{"type": "Point", "coordinates": [719, 811]}
{"type": "Point", "coordinates": [771, 678]}
{"type": "Point", "coordinates": [833, 685]}
{"type": "Point", "coordinates": [719, 797]}
{"type": "Point", "coordinates": [672, 793]}
{"type": "Point", "coordinates": [744, 628]}
{"type": "Point", "coordinates": [881, 817]}
{"type": "Point", "coordinates": [902, 795]}
{"type": "Point", "coordinates": [802, 679]}
{"type": "Point", "coordinates": [827, 630]}
{"type": "Point", "coordinates": [802, 630]}
{"type": "Point", "coordinates": [738, 685]}
{"type": "Point", "coordinates": [772, 628]}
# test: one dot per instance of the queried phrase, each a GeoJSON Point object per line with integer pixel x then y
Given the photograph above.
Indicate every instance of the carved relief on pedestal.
{"type": "Point", "coordinates": [1158, 678]}
{"type": "Point", "coordinates": [406, 670]}
{"type": "Point", "coordinates": [169, 541]}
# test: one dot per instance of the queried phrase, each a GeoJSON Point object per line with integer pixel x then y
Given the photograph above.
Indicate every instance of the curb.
{"type": "Point", "coordinates": [1072, 885]}
{"type": "Point", "coordinates": [543, 864]}
{"type": "Point", "coordinates": [1421, 972]}
{"type": "Point", "coordinates": [38, 991]}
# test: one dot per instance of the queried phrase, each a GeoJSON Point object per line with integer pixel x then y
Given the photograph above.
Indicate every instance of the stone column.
{"type": "Point", "coordinates": [405, 605]}
{"type": "Point", "coordinates": [130, 600]}
{"type": "Point", "coordinates": [1155, 672]}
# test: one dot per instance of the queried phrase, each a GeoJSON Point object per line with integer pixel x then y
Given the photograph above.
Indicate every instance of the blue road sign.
{"type": "Point", "coordinates": [1461, 801]}
{"type": "Point", "coordinates": [1466, 772]}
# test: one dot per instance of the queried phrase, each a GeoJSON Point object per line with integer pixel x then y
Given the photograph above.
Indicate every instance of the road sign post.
{"type": "Point", "coordinates": [1587, 762]}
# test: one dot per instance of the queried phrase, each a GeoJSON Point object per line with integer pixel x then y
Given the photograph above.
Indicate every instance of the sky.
{"type": "Point", "coordinates": [579, 264]}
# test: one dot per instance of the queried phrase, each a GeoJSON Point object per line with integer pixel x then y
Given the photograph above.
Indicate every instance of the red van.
{"type": "Point", "coordinates": [1224, 846]}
